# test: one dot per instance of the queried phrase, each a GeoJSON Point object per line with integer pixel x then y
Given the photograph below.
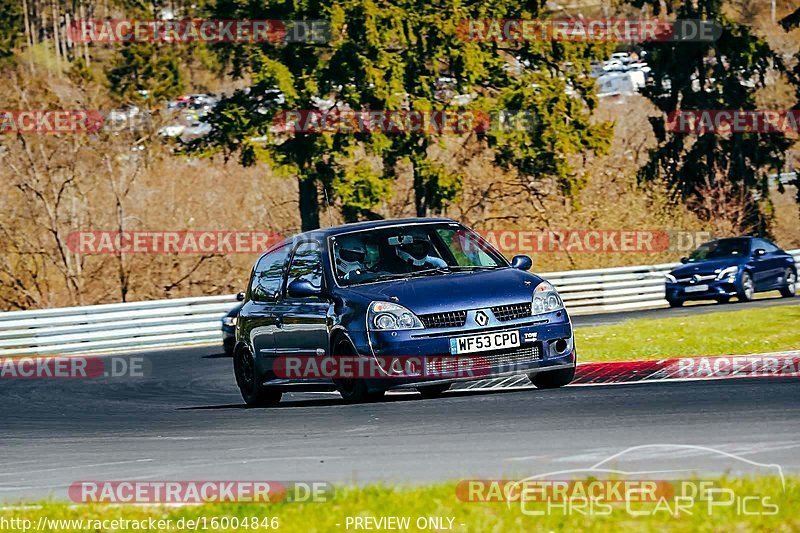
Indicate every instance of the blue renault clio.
{"type": "Point", "coordinates": [424, 289]}
{"type": "Point", "coordinates": [736, 266]}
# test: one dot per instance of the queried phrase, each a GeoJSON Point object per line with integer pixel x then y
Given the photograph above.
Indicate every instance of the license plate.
{"type": "Point", "coordinates": [697, 288]}
{"type": "Point", "coordinates": [485, 342]}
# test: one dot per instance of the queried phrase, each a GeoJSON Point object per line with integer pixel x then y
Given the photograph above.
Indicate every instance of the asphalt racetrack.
{"type": "Point", "coordinates": [186, 421]}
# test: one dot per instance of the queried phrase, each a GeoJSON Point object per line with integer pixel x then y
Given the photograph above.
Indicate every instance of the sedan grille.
{"type": "Point", "coordinates": [697, 278]}
{"type": "Point", "coordinates": [452, 319]}
{"type": "Point", "coordinates": [504, 313]}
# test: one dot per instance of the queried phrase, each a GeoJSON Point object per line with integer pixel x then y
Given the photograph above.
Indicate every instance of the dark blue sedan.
{"type": "Point", "coordinates": [737, 266]}
{"type": "Point", "coordinates": [379, 295]}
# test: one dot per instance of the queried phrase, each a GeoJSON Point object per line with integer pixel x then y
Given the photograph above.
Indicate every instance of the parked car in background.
{"type": "Point", "coordinates": [428, 289]}
{"type": "Point", "coordinates": [737, 266]}
{"type": "Point", "coordinates": [229, 327]}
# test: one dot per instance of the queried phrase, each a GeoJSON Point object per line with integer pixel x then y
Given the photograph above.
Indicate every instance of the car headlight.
{"type": "Point", "coordinates": [230, 321]}
{"type": "Point", "coordinates": [728, 272]}
{"type": "Point", "coordinates": [670, 278]}
{"type": "Point", "coordinates": [386, 316]}
{"type": "Point", "coordinates": [546, 299]}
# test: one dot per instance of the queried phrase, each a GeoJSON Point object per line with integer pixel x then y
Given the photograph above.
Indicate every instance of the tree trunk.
{"type": "Point", "coordinates": [420, 196]}
{"type": "Point", "coordinates": [421, 201]}
{"type": "Point", "coordinates": [309, 204]}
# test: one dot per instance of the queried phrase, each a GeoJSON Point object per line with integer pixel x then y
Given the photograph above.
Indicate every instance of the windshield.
{"type": "Point", "coordinates": [406, 251]}
{"type": "Point", "coordinates": [720, 249]}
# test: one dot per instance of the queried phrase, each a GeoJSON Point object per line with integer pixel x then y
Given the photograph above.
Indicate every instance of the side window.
{"type": "Point", "coordinates": [268, 276]}
{"type": "Point", "coordinates": [306, 264]}
{"type": "Point", "coordinates": [766, 245]}
{"type": "Point", "coordinates": [769, 247]}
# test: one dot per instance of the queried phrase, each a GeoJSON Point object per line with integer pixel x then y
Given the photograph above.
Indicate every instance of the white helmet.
{"type": "Point", "coordinates": [350, 255]}
{"type": "Point", "coordinates": [413, 249]}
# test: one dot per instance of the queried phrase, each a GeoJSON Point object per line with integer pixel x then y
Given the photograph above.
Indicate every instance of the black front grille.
{"type": "Point", "coordinates": [500, 360]}
{"type": "Point", "coordinates": [504, 313]}
{"type": "Point", "coordinates": [453, 319]}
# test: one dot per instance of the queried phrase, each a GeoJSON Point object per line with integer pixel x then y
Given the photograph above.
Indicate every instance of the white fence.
{"type": "Point", "coordinates": [196, 321]}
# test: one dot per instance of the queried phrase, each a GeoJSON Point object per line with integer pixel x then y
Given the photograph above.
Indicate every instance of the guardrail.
{"type": "Point", "coordinates": [196, 321]}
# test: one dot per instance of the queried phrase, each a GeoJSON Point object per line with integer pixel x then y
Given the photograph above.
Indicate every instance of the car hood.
{"type": "Point", "coordinates": [706, 267]}
{"type": "Point", "coordinates": [451, 292]}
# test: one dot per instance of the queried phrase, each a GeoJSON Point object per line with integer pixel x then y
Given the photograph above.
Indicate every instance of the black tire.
{"type": "Point", "coordinates": [790, 288]}
{"type": "Point", "coordinates": [675, 303]}
{"type": "Point", "coordinates": [254, 393]}
{"type": "Point", "coordinates": [354, 390]}
{"type": "Point", "coordinates": [723, 299]}
{"type": "Point", "coordinates": [552, 379]}
{"type": "Point", "coordinates": [745, 290]}
{"type": "Point", "coordinates": [433, 391]}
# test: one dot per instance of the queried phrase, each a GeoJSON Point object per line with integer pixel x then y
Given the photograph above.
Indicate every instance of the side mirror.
{"type": "Point", "coordinates": [302, 288]}
{"type": "Point", "coordinates": [240, 297]}
{"type": "Point", "coordinates": [759, 252]}
{"type": "Point", "coordinates": [684, 260]}
{"type": "Point", "coordinates": [521, 262]}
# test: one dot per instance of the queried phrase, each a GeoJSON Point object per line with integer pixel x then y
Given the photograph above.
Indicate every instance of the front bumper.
{"type": "Point", "coordinates": [714, 289]}
{"type": "Point", "coordinates": [538, 350]}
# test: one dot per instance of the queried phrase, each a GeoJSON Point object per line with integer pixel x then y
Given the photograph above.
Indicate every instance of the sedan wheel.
{"type": "Point", "coordinates": [790, 288]}
{"type": "Point", "coordinates": [746, 289]}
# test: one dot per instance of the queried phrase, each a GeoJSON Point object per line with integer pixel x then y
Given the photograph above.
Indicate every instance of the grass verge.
{"type": "Point", "coordinates": [725, 333]}
{"type": "Point", "coordinates": [772, 504]}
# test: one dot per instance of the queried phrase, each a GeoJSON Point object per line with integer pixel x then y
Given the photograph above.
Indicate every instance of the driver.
{"type": "Point", "coordinates": [350, 255]}
{"type": "Point", "coordinates": [415, 250]}
{"type": "Point", "coordinates": [354, 256]}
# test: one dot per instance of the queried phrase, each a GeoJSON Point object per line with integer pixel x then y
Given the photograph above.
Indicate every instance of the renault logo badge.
{"type": "Point", "coordinates": [481, 318]}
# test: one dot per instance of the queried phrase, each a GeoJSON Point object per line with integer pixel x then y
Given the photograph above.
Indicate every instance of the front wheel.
{"type": "Point", "coordinates": [354, 390]}
{"type": "Point", "coordinates": [723, 299]}
{"type": "Point", "coordinates": [675, 303]}
{"type": "Point", "coordinates": [552, 379]}
{"type": "Point", "coordinates": [254, 393]}
{"type": "Point", "coordinates": [433, 391]}
{"type": "Point", "coordinates": [790, 287]}
{"type": "Point", "coordinates": [746, 289]}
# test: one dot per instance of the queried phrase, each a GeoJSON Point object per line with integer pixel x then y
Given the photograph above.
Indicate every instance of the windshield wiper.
{"type": "Point", "coordinates": [472, 267]}
{"type": "Point", "coordinates": [387, 277]}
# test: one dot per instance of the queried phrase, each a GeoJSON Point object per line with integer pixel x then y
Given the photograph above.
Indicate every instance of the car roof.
{"type": "Point", "coordinates": [322, 233]}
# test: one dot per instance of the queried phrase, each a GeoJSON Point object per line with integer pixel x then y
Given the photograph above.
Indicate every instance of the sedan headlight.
{"type": "Point", "coordinates": [230, 321]}
{"type": "Point", "coordinates": [728, 272]}
{"type": "Point", "coordinates": [670, 278]}
{"type": "Point", "coordinates": [385, 316]}
{"type": "Point", "coordinates": [546, 299]}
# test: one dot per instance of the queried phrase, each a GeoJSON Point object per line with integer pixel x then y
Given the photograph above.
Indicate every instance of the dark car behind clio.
{"type": "Point", "coordinates": [229, 326]}
{"type": "Point", "coordinates": [736, 266]}
{"type": "Point", "coordinates": [382, 291]}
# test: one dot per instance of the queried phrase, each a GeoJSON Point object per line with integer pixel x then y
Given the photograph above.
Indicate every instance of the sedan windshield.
{"type": "Point", "coordinates": [721, 249]}
{"type": "Point", "coordinates": [405, 251]}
